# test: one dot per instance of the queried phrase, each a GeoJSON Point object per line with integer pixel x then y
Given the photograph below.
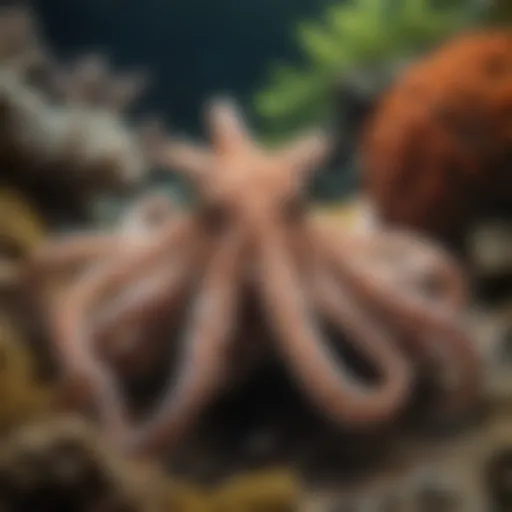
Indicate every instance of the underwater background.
{"type": "Point", "coordinates": [394, 399]}
{"type": "Point", "coordinates": [289, 63]}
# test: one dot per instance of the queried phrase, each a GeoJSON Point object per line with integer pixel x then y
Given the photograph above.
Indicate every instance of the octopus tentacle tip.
{"type": "Point", "coordinates": [227, 126]}
{"type": "Point", "coordinates": [308, 151]}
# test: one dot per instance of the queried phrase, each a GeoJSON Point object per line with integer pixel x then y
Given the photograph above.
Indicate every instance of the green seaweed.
{"type": "Point", "coordinates": [357, 35]}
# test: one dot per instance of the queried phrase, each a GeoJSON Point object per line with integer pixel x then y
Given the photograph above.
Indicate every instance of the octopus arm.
{"type": "Point", "coordinates": [419, 316]}
{"type": "Point", "coordinates": [70, 253]}
{"type": "Point", "coordinates": [372, 341]}
{"type": "Point", "coordinates": [308, 355]}
{"type": "Point", "coordinates": [206, 351]}
{"type": "Point", "coordinates": [153, 296]}
{"type": "Point", "coordinates": [410, 260]}
{"type": "Point", "coordinates": [71, 325]}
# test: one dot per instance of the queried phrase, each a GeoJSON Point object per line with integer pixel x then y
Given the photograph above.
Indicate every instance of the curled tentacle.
{"type": "Point", "coordinates": [71, 252]}
{"type": "Point", "coordinates": [410, 262]}
{"type": "Point", "coordinates": [144, 299]}
{"type": "Point", "coordinates": [373, 342]}
{"type": "Point", "coordinates": [71, 325]}
{"type": "Point", "coordinates": [310, 360]}
{"type": "Point", "coordinates": [417, 316]}
{"type": "Point", "coordinates": [60, 259]}
{"type": "Point", "coordinates": [146, 302]}
{"type": "Point", "coordinates": [77, 250]}
{"type": "Point", "coordinates": [93, 251]}
{"type": "Point", "coordinates": [206, 353]}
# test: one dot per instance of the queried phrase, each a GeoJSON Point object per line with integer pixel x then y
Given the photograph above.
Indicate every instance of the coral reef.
{"type": "Point", "coordinates": [64, 134]}
{"type": "Point", "coordinates": [64, 464]}
{"type": "Point", "coordinates": [251, 241]}
{"type": "Point", "coordinates": [436, 153]}
{"type": "Point", "coordinates": [456, 470]}
{"type": "Point", "coordinates": [250, 269]}
{"type": "Point", "coordinates": [65, 139]}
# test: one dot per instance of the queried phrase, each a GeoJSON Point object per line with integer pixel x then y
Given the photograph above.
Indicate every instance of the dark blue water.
{"type": "Point", "coordinates": [193, 47]}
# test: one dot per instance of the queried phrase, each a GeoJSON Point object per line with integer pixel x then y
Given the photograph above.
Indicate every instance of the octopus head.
{"type": "Point", "coordinates": [239, 180]}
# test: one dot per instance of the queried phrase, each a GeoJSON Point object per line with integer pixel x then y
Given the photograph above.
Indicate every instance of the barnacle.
{"type": "Point", "coordinates": [436, 153]}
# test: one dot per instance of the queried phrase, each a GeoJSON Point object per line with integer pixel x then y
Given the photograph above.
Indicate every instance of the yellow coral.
{"type": "Point", "coordinates": [20, 231]}
{"type": "Point", "coordinates": [265, 491]}
{"type": "Point", "coordinates": [140, 483]}
{"type": "Point", "coordinates": [185, 497]}
{"type": "Point", "coordinates": [271, 490]}
{"type": "Point", "coordinates": [347, 214]}
{"type": "Point", "coordinates": [19, 222]}
{"type": "Point", "coordinates": [22, 398]}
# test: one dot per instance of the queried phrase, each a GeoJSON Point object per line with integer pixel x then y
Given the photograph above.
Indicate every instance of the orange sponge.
{"type": "Point", "coordinates": [438, 150]}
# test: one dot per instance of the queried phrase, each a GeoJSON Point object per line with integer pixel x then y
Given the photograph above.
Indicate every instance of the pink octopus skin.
{"type": "Point", "coordinates": [251, 230]}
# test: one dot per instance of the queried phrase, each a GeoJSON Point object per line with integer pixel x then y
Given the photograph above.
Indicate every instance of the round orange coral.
{"type": "Point", "coordinates": [438, 150]}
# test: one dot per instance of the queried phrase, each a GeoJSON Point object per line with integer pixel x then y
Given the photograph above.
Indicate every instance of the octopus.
{"type": "Point", "coordinates": [436, 151]}
{"type": "Point", "coordinates": [397, 298]}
